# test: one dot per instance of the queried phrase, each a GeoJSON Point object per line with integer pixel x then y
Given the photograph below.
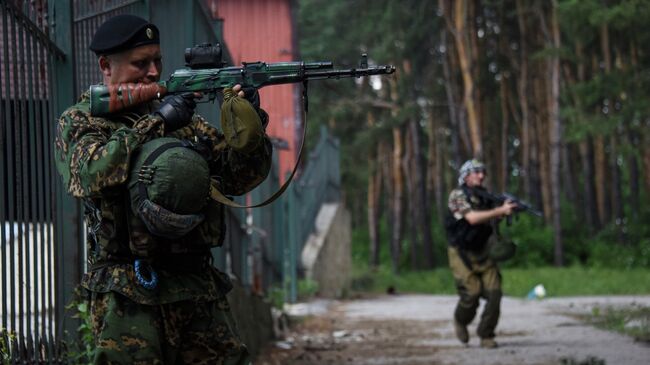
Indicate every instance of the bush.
{"type": "Point", "coordinates": [534, 242]}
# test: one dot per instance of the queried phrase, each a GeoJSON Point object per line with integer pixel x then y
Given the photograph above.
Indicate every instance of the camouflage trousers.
{"type": "Point", "coordinates": [184, 332]}
{"type": "Point", "coordinates": [482, 280]}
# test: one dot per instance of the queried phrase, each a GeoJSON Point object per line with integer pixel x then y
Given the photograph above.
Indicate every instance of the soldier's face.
{"type": "Point", "coordinates": [475, 178]}
{"type": "Point", "coordinates": [142, 64]}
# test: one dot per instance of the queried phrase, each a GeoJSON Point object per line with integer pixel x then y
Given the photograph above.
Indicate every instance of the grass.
{"type": "Point", "coordinates": [571, 281]}
{"type": "Point", "coordinates": [633, 321]}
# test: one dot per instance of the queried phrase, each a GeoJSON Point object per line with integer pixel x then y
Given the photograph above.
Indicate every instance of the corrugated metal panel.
{"type": "Point", "coordinates": [260, 30]}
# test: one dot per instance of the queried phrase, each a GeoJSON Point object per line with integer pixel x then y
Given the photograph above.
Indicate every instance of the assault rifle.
{"type": "Point", "coordinates": [502, 198]}
{"type": "Point", "coordinates": [207, 75]}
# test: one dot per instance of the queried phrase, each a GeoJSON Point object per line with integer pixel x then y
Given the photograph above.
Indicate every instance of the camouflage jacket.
{"type": "Point", "coordinates": [460, 204]}
{"type": "Point", "coordinates": [93, 157]}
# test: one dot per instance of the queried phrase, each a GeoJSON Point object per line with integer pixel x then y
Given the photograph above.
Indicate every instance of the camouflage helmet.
{"type": "Point", "coordinates": [168, 185]}
{"type": "Point", "coordinates": [469, 166]}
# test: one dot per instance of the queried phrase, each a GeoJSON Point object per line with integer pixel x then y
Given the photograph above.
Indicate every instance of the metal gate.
{"type": "Point", "coordinates": [27, 252]}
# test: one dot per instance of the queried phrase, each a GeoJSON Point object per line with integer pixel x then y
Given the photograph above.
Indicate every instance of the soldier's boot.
{"type": "Point", "coordinates": [489, 343]}
{"type": "Point", "coordinates": [461, 332]}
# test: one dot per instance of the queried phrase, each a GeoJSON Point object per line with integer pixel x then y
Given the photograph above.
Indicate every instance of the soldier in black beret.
{"type": "Point", "coordinates": [185, 318]}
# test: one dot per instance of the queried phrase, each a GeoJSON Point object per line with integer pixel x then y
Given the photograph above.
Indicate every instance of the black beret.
{"type": "Point", "coordinates": [123, 32]}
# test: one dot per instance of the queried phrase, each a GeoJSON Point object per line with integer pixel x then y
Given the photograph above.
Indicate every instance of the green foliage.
{"type": "Point", "coordinates": [604, 253]}
{"type": "Point", "coordinates": [5, 339]}
{"type": "Point", "coordinates": [81, 351]}
{"type": "Point", "coordinates": [382, 280]}
{"type": "Point", "coordinates": [633, 321]}
{"type": "Point", "coordinates": [559, 282]}
{"type": "Point", "coordinates": [576, 280]}
{"type": "Point", "coordinates": [275, 296]}
{"type": "Point", "coordinates": [534, 242]}
{"type": "Point", "coordinates": [307, 289]}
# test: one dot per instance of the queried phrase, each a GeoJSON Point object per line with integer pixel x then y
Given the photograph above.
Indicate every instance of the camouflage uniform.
{"type": "Point", "coordinates": [476, 275]}
{"type": "Point", "coordinates": [186, 319]}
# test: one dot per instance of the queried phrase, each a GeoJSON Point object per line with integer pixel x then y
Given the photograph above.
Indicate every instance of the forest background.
{"type": "Point", "coordinates": [552, 95]}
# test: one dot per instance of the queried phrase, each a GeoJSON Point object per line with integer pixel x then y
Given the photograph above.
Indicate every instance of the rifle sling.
{"type": "Point", "coordinates": [218, 196]}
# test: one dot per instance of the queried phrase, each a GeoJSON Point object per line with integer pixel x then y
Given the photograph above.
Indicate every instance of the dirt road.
{"type": "Point", "coordinates": [417, 329]}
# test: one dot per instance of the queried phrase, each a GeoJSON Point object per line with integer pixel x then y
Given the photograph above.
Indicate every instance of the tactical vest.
{"type": "Point", "coordinates": [463, 235]}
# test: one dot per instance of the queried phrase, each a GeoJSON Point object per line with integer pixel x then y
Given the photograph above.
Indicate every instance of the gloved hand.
{"type": "Point", "coordinates": [176, 110]}
{"type": "Point", "coordinates": [253, 97]}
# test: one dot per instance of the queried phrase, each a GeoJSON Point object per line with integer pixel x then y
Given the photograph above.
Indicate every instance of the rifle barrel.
{"type": "Point", "coordinates": [353, 72]}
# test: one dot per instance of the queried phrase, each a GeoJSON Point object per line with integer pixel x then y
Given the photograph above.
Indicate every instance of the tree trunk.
{"type": "Point", "coordinates": [555, 138]}
{"type": "Point", "coordinates": [386, 167]}
{"type": "Point", "coordinates": [535, 129]}
{"type": "Point", "coordinates": [422, 207]}
{"type": "Point", "coordinates": [397, 198]}
{"type": "Point", "coordinates": [633, 163]}
{"type": "Point", "coordinates": [523, 103]}
{"type": "Point", "coordinates": [617, 193]}
{"type": "Point", "coordinates": [588, 206]}
{"type": "Point", "coordinates": [542, 118]}
{"type": "Point", "coordinates": [450, 92]}
{"type": "Point", "coordinates": [646, 163]}
{"type": "Point", "coordinates": [590, 199]}
{"type": "Point", "coordinates": [633, 139]}
{"type": "Point", "coordinates": [374, 193]}
{"type": "Point", "coordinates": [503, 145]}
{"type": "Point", "coordinates": [600, 166]}
{"type": "Point", "coordinates": [438, 148]}
{"type": "Point", "coordinates": [616, 201]}
{"type": "Point", "coordinates": [413, 207]}
{"type": "Point", "coordinates": [465, 57]}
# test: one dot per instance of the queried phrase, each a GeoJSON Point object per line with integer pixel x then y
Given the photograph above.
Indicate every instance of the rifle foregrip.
{"type": "Point", "coordinates": [107, 99]}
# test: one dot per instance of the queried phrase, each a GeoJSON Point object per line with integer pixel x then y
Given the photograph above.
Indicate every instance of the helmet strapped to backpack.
{"type": "Point", "coordinates": [168, 186]}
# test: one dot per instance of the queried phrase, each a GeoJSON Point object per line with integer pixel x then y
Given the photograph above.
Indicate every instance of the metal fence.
{"type": "Point", "coordinates": [44, 65]}
{"type": "Point", "coordinates": [27, 252]}
{"type": "Point", "coordinates": [319, 183]}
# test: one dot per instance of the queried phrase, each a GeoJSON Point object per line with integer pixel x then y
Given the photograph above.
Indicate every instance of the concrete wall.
{"type": "Point", "coordinates": [326, 257]}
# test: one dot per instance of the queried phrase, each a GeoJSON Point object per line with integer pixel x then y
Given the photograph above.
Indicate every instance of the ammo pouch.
{"type": "Point", "coordinates": [241, 124]}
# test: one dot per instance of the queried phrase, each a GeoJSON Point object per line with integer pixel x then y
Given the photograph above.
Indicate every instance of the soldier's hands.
{"type": "Point", "coordinates": [252, 96]}
{"type": "Point", "coordinates": [176, 110]}
{"type": "Point", "coordinates": [508, 208]}
{"type": "Point", "coordinates": [248, 93]}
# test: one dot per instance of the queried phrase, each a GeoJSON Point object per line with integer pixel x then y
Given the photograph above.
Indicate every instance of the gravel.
{"type": "Point", "coordinates": [417, 329]}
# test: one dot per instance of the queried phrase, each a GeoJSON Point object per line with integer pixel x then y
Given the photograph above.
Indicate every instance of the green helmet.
{"type": "Point", "coordinates": [169, 183]}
